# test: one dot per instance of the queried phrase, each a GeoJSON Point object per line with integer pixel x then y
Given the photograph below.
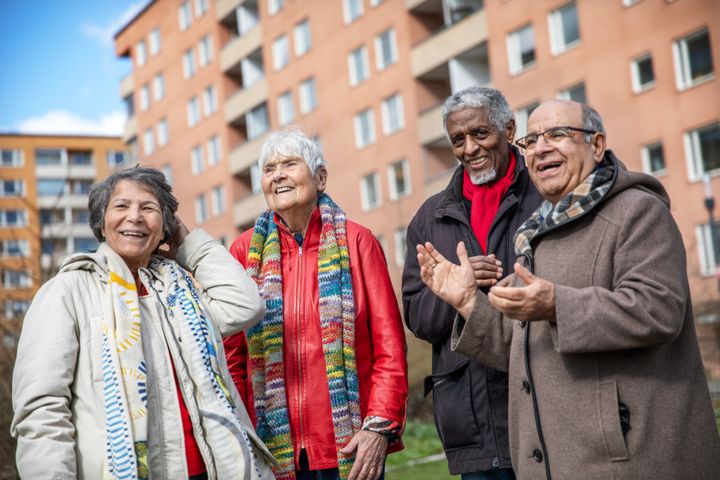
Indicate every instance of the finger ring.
{"type": "Point", "coordinates": [433, 265]}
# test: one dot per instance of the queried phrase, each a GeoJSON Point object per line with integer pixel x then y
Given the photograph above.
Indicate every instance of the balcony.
{"type": "Point", "coordinates": [239, 48]}
{"type": "Point", "coordinates": [126, 85]}
{"type": "Point", "coordinates": [130, 130]}
{"type": "Point", "coordinates": [243, 100]}
{"type": "Point", "coordinates": [63, 230]}
{"type": "Point", "coordinates": [438, 183]}
{"type": "Point", "coordinates": [450, 42]}
{"type": "Point", "coordinates": [66, 171]}
{"type": "Point", "coordinates": [245, 155]}
{"type": "Point", "coordinates": [63, 201]}
{"type": "Point", "coordinates": [225, 8]}
{"type": "Point", "coordinates": [248, 209]}
{"type": "Point", "coordinates": [430, 128]}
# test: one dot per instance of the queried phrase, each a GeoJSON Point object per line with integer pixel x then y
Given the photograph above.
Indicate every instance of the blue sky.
{"type": "Point", "coordinates": [59, 69]}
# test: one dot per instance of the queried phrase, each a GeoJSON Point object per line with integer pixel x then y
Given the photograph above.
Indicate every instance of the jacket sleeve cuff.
{"type": "Point", "coordinates": [388, 428]}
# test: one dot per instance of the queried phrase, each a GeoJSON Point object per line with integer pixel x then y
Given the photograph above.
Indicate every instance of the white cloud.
{"type": "Point", "coordinates": [104, 33]}
{"type": "Point", "coordinates": [60, 122]}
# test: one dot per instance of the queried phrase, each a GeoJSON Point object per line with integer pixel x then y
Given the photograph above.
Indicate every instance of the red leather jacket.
{"type": "Point", "coordinates": [380, 347]}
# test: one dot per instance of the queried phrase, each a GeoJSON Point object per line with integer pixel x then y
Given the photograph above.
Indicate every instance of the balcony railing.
{"type": "Point", "coordinates": [248, 209]}
{"type": "Point", "coordinates": [245, 99]}
{"type": "Point", "coordinates": [245, 155]}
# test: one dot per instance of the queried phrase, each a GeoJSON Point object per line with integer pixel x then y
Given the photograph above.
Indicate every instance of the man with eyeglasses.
{"type": "Point", "coordinates": [489, 196]}
{"type": "Point", "coordinates": [596, 326]}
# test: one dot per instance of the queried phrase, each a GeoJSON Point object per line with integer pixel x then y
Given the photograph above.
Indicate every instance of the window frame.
{"type": "Point", "coordinates": [681, 61]}
{"type": "Point", "coordinates": [638, 87]}
{"type": "Point", "coordinates": [382, 63]}
{"type": "Point", "coordinates": [374, 178]}
{"type": "Point", "coordinates": [285, 108]}
{"type": "Point", "coordinates": [307, 93]}
{"type": "Point", "coordinates": [302, 38]}
{"type": "Point", "coordinates": [646, 159]}
{"type": "Point", "coordinates": [515, 52]}
{"type": "Point", "coordinates": [556, 30]}
{"type": "Point", "coordinates": [280, 50]}
{"type": "Point", "coordinates": [353, 65]}
{"type": "Point", "coordinates": [360, 141]}
{"type": "Point", "coordinates": [387, 114]}
{"type": "Point", "coordinates": [693, 152]}
{"type": "Point", "coordinates": [393, 193]}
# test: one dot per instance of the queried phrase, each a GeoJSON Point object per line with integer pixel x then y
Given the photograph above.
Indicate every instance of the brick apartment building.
{"type": "Point", "coordinates": [211, 78]}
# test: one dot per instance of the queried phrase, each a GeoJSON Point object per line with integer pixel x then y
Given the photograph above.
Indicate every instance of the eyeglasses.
{"type": "Point", "coordinates": [552, 135]}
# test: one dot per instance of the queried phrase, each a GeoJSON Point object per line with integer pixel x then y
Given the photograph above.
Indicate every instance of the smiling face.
{"type": "Point", "coordinates": [556, 168]}
{"type": "Point", "coordinates": [133, 225]}
{"type": "Point", "coordinates": [481, 148]}
{"type": "Point", "coordinates": [291, 190]}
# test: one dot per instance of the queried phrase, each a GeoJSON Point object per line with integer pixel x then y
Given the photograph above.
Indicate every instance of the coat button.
{"type": "Point", "coordinates": [537, 455]}
{"type": "Point", "coordinates": [523, 324]}
{"type": "Point", "coordinates": [526, 386]}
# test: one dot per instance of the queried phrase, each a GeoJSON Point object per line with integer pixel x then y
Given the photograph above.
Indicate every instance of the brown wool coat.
{"type": "Point", "coordinates": [624, 333]}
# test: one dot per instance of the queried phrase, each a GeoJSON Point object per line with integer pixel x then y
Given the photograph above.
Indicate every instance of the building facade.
{"type": "Point", "coordinates": [44, 210]}
{"type": "Point", "coordinates": [211, 78]}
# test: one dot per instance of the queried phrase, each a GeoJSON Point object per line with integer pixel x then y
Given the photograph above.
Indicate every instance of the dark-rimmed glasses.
{"type": "Point", "coordinates": [553, 135]}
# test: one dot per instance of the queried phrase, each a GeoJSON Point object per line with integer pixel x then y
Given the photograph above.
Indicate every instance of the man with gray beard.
{"type": "Point", "coordinates": [489, 196]}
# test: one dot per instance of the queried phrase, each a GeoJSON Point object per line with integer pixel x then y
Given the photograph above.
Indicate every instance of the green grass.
{"type": "Point", "coordinates": [420, 441]}
{"type": "Point", "coordinates": [434, 471]}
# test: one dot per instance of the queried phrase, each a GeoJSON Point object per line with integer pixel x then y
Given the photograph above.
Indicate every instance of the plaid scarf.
{"type": "Point", "coordinates": [582, 199]}
{"type": "Point", "coordinates": [337, 323]}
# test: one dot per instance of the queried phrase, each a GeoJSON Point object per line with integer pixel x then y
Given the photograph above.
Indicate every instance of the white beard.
{"type": "Point", "coordinates": [484, 178]}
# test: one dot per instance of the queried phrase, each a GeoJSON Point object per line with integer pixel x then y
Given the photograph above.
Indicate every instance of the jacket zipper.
{"type": "Point", "coordinates": [298, 292]}
{"type": "Point", "coordinates": [538, 427]}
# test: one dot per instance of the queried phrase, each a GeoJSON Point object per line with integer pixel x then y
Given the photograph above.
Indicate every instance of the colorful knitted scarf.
{"type": "Point", "coordinates": [582, 199]}
{"type": "Point", "coordinates": [337, 323]}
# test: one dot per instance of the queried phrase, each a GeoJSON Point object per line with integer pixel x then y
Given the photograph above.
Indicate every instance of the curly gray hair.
{"type": "Point", "coordinates": [491, 99]}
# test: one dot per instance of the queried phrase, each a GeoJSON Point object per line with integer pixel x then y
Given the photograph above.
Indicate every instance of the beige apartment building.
{"type": "Point", "coordinates": [211, 78]}
{"type": "Point", "coordinates": [45, 180]}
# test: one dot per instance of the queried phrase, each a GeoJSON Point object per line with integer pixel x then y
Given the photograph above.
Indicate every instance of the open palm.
{"type": "Point", "coordinates": [454, 284]}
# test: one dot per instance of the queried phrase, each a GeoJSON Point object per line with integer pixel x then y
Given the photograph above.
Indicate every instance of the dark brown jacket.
{"type": "Point", "coordinates": [614, 388]}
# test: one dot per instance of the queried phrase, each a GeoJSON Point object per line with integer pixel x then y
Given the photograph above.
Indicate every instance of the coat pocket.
{"type": "Point", "coordinates": [453, 409]}
{"type": "Point", "coordinates": [613, 413]}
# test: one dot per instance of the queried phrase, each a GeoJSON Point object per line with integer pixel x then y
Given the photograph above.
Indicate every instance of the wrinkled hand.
{"type": "Point", "coordinates": [174, 243]}
{"type": "Point", "coordinates": [454, 284]}
{"type": "Point", "coordinates": [487, 269]}
{"type": "Point", "coordinates": [371, 449]}
{"type": "Point", "coordinates": [534, 301]}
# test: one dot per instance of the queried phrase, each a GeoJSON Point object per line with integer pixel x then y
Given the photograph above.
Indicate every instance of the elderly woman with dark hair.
{"type": "Point", "coordinates": [120, 369]}
{"type": "Point", "coordinates": [326, 367]}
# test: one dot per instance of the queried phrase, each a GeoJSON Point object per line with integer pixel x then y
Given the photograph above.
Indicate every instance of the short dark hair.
{"type": "Point", "coordinates": [150, 178]}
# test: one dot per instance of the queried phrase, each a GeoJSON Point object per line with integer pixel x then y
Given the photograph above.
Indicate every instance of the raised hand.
{"type": "Point", "coordinates": [454, 284]}
{"type": "Point", "coordinates": [533, 301]}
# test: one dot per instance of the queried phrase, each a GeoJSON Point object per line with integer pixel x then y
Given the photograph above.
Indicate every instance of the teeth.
{"type": "Point", "coordinates": [283, 189]}
{"type": "Point", "coordinates": [134, 234]}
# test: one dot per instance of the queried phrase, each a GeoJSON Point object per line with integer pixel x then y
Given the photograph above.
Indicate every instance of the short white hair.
{"type": "Point", "coordinates": [291, 142]}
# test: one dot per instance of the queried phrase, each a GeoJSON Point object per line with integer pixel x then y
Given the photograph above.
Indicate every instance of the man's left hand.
{"type": "Point", "coordinates": [371, 449]}
{"type": "Point", "coordinates": [534, 301]}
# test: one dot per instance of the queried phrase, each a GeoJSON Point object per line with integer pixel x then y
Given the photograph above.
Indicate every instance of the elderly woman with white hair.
{"type": "Point", "coordinates": [326, 368]}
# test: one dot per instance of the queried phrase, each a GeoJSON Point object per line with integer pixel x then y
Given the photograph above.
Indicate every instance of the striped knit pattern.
{"type": "Point", "coordinates": [337, 322]}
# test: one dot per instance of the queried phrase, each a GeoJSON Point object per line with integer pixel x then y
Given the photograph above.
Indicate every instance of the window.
{"type": "Point", "coordinates": [48, 156]}
{"type": "Point", "coordinates": [521, 119]}
{"type": "Point", "coordinates": [80, 216]}
{"type": "Point", "coordinates": [12, 188]}
{"type": "Point", "coordinates": [358, 65]}
{"type": "Point", "coordinates": [399, 179]}
{"type": "Point", "coordinates": [653, 159]}
{"type": "Point", "coordinates": [11, 158]}
{"type": "Point", "coordinates": [385, 49]}
{"type": "Point", "coordinates": [148, 142]}
{"type": "Point", "coordinates": [140, 56]}
{"type": "Point", "coordinates": [218, 200]}
{"type": "Point", "coordinates": [167, 171]}
{"type": "Point", "coordinates": [158, 87]}
{"type": "Point", "coordinates": [184, 16]}
{"type": "Point", "coordinates": [161, 130]}
{"type": "Point", "coordinates": [188, 63]}
{"type": "Point", "coordinates": [708, 255]}
{"type": "Point", "coordinates": [116, 159]}
{"type": "Point", "coordinates": [154, 41]}
{"type": "Point", "coordinates": [370, 195]}
{"type": "Point", "coordinates": [193, 111]}
{"type": "Point", "coordinates": [642, 74]}
{"type": "Point", "coordinates": [255, 178]}
{"type": "Point", "coordinates": [80, 158]}
{"type": "Point", "coordinates": [51, 216]}
{"type": "Point", "coordinates": [80, 187]}
{"type": "Point", "coordinates": [576, 93]}
{"type": "Point", "coordinates": [144, 97]}
{"type": "Point", "coordinates": [12, 218]}
{"type": "Point", "coordinates": [274, 6]}
{"type": "Point", "coordinates": [201, 7]}
{"type": "Point", "coordinates": [286, 110]}
{"type": "Point", "coordinates": [196, 160]}
{"type": "Point", "coordinates": [693, 59]}
{"type": "Point", "coordinates": [16, 279]}
{"type": "Point", "coordinates": [352, 10]}
{"type": "Point", "coordinates": [15, 309]}
{"type": "Point", "coordinates": [564, 28]}
{"type": "Point", "coordinates": [301, 37]}
{"type": "Point", "coordinates": [702, 150]}
{"type": "Point", "coordinates": [15, 248]}
{"type": "Point", "coordinates": [85, 244]}
{"type": "Point", "coordinates": [521, 49]}
{"type": "Point", "coordinates": [201, 213]}
{"type": "Point", "coordinates": [280, 54]}
{"type": "Point", "coordinates": [400, 236]}
{"type": "Point", "coordinates": [214, 151]}
{"type": "Point", "coordinates": [257, 121]}
{"type": "Point", "coordinates": [210, 103]}
{"type": "Point", "coordinates": [205, 51]}
{"type": "Point", "coordinates": [364, 128]}
{"type": "Point", "coordinates": [393, 117]}
{"type": "Point", "coordinates": [308, 96]}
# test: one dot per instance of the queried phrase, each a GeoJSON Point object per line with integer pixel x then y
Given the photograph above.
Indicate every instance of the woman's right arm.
{"type": "Point", "coordinates": [42, 377]}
